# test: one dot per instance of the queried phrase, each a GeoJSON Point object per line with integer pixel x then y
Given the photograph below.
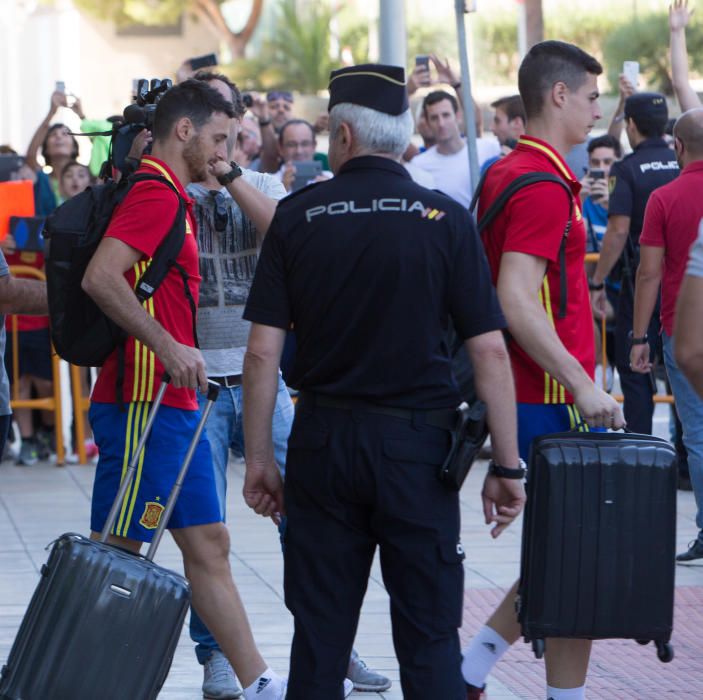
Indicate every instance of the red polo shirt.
{"type": "Point", "coordinates": [533, 222]}
{"type": "Point", "coordinates": [671, 221]}
{"type": "Point", "coordinates": [142, 222]}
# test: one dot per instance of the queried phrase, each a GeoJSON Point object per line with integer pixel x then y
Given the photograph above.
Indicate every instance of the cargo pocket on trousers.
{"type": "Point", "coordinates": [450, 578]}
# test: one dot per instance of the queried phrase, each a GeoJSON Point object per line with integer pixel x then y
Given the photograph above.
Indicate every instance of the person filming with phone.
{"type": "Point", "coordinates": [296, 147]}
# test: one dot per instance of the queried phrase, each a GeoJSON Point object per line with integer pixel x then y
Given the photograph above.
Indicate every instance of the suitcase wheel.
{"type": "Point", "coordinates": [538, 648]}
{"type": "Point", "coordinates": [643, 642]}
{"type": "Point", "coordinates": [665, 652]}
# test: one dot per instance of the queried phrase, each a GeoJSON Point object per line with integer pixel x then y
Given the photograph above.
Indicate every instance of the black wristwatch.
{"type": "Point", "coordinates": [637, 341]}
{"type": "Point", "coordinates": [233, 174]}
{"type": "Point", "coordinates": [595, 287]}
{"type": "Point", "coordinates": [507, 472]}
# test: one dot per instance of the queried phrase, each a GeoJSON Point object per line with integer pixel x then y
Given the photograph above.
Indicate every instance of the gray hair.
{"type": "Point", "coordinates": [375, 132]}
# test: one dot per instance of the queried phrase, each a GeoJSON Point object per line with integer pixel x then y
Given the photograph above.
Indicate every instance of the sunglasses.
{"type": "Point", "coordinates": [279, 95]}
{"type": "Point", "coordinates": [220, 211]}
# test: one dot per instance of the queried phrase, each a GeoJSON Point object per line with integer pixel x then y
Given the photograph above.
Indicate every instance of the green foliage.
{"type": "Point", "coordinates": [497, 58]}
{"type": "Point", "coordinates": [438, 38]}
{"type": "Point", "coordinates": [296, 55]}
{"type": "Point", "coordinates": [126, 12]}
{"type": "Point", "coordinates": [646, 40]}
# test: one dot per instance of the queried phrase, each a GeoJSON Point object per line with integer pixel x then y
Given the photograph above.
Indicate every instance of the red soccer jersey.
{"type": "Point", "coordinates": [30, 259]}
{"type": "Point", "coordinates": [142, 222]}
{"type": "Point", "coordinates": [533, 222]}
{"type": "Point", "coordinates": [671, 222]}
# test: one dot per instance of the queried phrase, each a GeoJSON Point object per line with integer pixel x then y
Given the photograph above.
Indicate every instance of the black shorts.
{"type": "Point", "coordinates": [34, 354]}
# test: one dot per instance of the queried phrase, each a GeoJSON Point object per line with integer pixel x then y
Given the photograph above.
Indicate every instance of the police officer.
{"type": "Point", "coordinates": [370, 267]}
{"type": "Point", "coordinates": [651, 164]}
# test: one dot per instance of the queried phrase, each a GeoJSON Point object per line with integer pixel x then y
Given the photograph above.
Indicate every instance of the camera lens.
{"type": "Point", "coordinates": [247, 100]}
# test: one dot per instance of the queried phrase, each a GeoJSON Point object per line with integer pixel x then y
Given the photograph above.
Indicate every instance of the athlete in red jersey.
{"type": "Point", "coordinates": [552, 357]}
{"type": "Point", "coordinates": [191, 128]}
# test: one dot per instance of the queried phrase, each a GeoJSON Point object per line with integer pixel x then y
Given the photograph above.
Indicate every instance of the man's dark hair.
{"type": "Point", "coordinates": [293, 122]}
{"type": "Point", "coordinates": [437, 96]}
{"type": "Point", "coordinates": [237, 103]}
{"type": "Point", "coordinates": [605, 141]}
{"type": "Point", "coordinates": [194, 99]}
{"type": "Point", "coordinates": [550, 62]}
{"type": "Point", "coordinates": [512, 106]}
{"type": "Point", "coordinates": [52, 128]}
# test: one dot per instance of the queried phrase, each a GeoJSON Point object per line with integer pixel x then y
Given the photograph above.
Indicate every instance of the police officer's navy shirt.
{"type": "Point", "coordinates": [368, 267]}
{"type": "Point", "coordinates": [632, 179]}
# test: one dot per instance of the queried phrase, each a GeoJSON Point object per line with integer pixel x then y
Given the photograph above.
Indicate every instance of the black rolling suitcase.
{"type": "Point", "coordinates": [598, 542]}
{"type": "Point", "coordinates": [103, 623]}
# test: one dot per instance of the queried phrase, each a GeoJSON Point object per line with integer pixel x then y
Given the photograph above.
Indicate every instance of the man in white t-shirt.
{"type": "Point", "coordinates": [448, 161]}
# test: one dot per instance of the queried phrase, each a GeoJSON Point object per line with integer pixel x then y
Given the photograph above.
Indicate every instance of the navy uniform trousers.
{"type": "Point", "coordinates": [354, 480]}
{"type": "Point", "coordinates": [637, 389]}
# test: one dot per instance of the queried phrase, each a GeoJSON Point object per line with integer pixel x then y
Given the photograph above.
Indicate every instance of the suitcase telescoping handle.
{"type": "Point", "coordinates": [213, 389]}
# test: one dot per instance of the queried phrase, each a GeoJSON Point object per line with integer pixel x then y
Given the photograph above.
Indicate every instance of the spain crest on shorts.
{"type": "Point", "coordinates": [151, 515]}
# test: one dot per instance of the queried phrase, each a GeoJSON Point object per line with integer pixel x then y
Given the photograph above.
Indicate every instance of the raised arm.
{"type": "Point", "coordinates": [679, 16]}
{"type": "Point", "coordinates": [58, 99]}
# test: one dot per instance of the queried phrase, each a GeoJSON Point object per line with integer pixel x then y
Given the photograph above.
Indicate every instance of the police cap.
{"type": "Point", "coordinates": [647, 108]}
{"type": "Point", "coordinates": [370, 85]}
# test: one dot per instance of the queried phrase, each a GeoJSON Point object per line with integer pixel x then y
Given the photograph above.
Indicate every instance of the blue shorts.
{"type": "Point", "coordinates": [116, 429]}
{"type": "Point", "coordinates": [535, 419]}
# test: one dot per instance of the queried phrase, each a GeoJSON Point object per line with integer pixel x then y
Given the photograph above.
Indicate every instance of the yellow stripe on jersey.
{"type": "Point", "coordinates": [553, 391]}
{"type": "Point", "coordinates": [550, 154]}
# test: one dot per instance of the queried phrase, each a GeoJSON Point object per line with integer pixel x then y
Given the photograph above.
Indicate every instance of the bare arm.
{"type": "Point", "coordinates": [262, 483]}
{"type": "Point", "coordinates": [649, 275]}
{"type": "Point", "coordinates": [19, 296]}
{"type": "Point", "coordinates": [679, 16]}
{"type": "Point", "coordinates": [105, 282]}
{"type": "Point", "coordinates": [519, 281]}
{"type": "Point", "coordinates": [257, 206]}
{"type": "Point", "coordinates": [612, 246]}
{"type": "Point", "coordinates": [58, 99]}
{"type": "Point", "coordinates": [269, 150]}
{"type": "Point", "coordinates": [503, 499]}
{"type": "Point", "coordinates": [617, 120]}
{"type": "Point", "coordinates": [688, 331]}
{"type": "Point", "coordinates": [269, 141]}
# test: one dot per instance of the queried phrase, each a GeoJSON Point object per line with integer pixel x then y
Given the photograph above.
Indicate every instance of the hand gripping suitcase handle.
{"type": "Point", "coordinates": [132, 468]}
{"type": "Point", "coordinates": [213, 389]}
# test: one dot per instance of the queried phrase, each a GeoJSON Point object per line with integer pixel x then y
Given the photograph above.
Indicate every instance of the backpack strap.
{"type": "Point", "coordinates": [502, 199]}
{"type": "Point", "coordinates": [161, 262]}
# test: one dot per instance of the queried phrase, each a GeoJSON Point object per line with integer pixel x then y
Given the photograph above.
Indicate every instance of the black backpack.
{"type": "Point", "coordinates": [81, 333]}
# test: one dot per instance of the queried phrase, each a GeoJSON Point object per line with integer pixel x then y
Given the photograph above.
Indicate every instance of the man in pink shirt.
{"type": "Point", "coordinates": [671, 221]}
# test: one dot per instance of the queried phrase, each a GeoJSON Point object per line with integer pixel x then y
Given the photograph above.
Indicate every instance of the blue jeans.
{"type": "Point", "coordinates": [225, 431]}
{"type": "Point", "coordinates": [690, 409]}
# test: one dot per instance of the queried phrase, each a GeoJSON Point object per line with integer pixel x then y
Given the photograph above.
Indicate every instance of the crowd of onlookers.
{"type": "Point", "coordinates": [273, 138]}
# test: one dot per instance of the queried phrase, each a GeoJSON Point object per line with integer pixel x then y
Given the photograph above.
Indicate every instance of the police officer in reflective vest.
{"type": "Point", "coordinates": [370, 268]}
{"type": "Point", "coordinates": [651, 165]}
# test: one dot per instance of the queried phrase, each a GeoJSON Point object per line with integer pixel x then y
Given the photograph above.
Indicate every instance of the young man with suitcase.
{"type": "Point", "coordinates": [542, 287]}
{"type": "Point", "coordinates": [191, 128]}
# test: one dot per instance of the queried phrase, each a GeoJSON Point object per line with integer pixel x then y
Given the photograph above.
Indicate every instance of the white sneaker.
{"type": "Point", "coordinates": [348, 687]}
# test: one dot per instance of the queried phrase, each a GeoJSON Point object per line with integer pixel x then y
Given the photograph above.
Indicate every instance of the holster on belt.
{"type": "Point", "coordinates": [468, 436]}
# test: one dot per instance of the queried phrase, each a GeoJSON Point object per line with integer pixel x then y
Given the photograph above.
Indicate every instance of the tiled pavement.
{"type": "Point", "coordinates": [40, 502]}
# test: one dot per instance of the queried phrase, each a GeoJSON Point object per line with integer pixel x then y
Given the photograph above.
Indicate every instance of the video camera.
{"type": "Point", "coordinates": [137, 116]}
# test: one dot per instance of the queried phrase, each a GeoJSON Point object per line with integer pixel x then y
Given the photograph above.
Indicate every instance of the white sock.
{"type": "Point", "coordinates": [566, 693]}
{"type": "Point", "coordinates": [268, 686]}
{"type": "Point", "coordinates": [482, 654]}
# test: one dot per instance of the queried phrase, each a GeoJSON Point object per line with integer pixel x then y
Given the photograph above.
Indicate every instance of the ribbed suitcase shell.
{"type": "Point", "coordinates": [599, 536]}
{"type": "Point", "coordinates": [103, 623]}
